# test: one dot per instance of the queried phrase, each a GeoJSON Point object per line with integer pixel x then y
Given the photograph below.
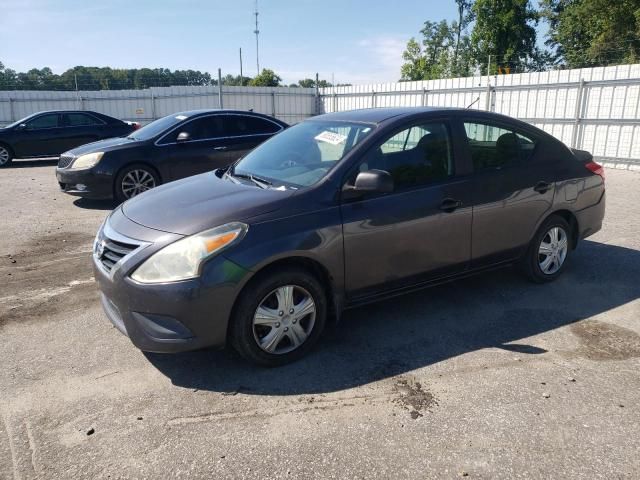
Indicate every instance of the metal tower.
{"type": "Point", "coordinates": [257, 32]}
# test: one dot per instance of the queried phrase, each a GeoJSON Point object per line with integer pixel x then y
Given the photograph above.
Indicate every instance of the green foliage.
{"type": "Point", "coordinates": [444, 50]}
{"type": "Point", "coordinates": [235, 81]}
{"type": "Point", "coordinates": [105, 78]}
{"type": "Point", "coordinates": [100, 78]}
{"type": "Point", "coordinates": [311, 83]}
{"type": "Point", "coordinates": [588, 33]}
{"type": "Point", "coordinates": [504, 29]}
{"type": "Point", "coordinates": [266, 78]}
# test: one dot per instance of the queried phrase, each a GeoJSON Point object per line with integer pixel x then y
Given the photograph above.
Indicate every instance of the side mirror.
{"type": "Point", "coordinates": [22, 126]}
{"type": "Point", "coordinates": [183, 137]}
{"type": "Point", "coordinates": [371, 181]}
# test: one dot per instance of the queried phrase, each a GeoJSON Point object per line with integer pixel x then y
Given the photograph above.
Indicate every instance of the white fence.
{"type": "Point", "coordinates": [595, 109]}
{"type": "Point", "coordinates": [291, 105]}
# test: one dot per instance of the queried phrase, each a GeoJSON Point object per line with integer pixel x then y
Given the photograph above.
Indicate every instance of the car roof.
{"type": "Point", "coordinates": [376, 115]}
{"type": "Point", "coordinates": [201, 111]}
{"type": "Point", "coordinates": [379, 115]}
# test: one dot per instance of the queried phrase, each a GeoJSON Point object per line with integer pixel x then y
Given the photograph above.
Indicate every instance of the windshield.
{"type": "Point", "coordinates": [22, 120]}
{"type": "Point", "coordinates": [303, 154]}
{"type": "Point", "coordinates": [157, 127]}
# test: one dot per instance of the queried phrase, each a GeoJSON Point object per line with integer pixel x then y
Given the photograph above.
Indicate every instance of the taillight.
{"type": "Point", "coordinates": [595, 168]}
{"type": "Point", "coordinates": [136, 125]}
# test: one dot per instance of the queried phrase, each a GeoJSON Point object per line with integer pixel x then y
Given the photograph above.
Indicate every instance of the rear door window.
{"type": "Point", "coordinates": [241, 125]}
{"type": "Point", "coordinates": [493, 146]}
{"type": "Point", "coordinates": [49, 120]}
{"type": "Point", "coordinates": [79, 120]}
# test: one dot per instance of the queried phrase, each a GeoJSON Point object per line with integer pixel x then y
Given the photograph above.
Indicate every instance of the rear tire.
{"type": "Point", "coordinates": [134, 180]}
{"type": "Point", "coordinates": [6, 155]}
{"type": "Point", "coordinates": [279, 317]}
{"type": "Point", "coordinates": [549, 251]}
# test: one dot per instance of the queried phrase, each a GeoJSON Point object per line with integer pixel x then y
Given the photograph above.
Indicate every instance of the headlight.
{"type": "Point", "coordinates": [87, 161]}
{"type": "Point", "coordinates": [182, 259]}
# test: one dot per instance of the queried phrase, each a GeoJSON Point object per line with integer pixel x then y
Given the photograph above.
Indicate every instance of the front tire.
{"type": "Point", "coordinates": [6, 156]}
{"type": "Point", "coordinates": [279, 317]}
{"type": "Point", "coordinates": [549, 251]}
{"type": "Point", "coordinates": [134, 180]}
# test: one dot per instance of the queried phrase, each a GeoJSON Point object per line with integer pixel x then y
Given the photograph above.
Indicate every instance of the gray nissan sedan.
{"type": "Point", "coordinates": [340, 210]}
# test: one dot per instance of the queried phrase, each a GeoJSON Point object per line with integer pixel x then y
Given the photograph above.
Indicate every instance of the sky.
{"type": "Point", "coordinates": [346, 41]}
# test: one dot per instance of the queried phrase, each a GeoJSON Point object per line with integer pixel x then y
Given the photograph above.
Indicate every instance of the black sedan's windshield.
{"type": "Point", "coordinates": [22, 120]}
{"type": "Point", "coordinates": [303, 154]}
{"type": "Point", "coordinates": [157, 127]}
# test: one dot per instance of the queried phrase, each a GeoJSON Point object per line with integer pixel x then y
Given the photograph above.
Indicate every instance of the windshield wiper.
{"type": "Point", "coordinates": [261, 182]}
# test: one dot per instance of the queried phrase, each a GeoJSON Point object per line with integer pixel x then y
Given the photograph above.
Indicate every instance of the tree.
{"type": "Point", "coordinates": [414, 67]}
{"type": "Point", "coordinates": [443, 52]}
{"type": "Point", "coordinates": [311, 83]}
{"type": "Point", "coordinates": [587, 33]}
{"type": "Point", "coordinates": [506, 31]}
{"type": "Point", "coordinates": [429, 59]}
{"type": "Point", "coordinates": [266, 78]}
{"type": "Point", "coordinates": [236, 81]}
{"type": "Point", "coordinates": [465, 16]}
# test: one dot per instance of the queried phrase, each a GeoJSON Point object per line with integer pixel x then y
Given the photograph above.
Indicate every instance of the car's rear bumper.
{"type": "Point", "coordinates": [85, 183]}
{"type": "Point", "coordinates": [590, 218]}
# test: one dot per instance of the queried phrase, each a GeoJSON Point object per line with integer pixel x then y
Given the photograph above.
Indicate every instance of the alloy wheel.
{"type": "Point", "coordinates": [553, 250]}
{"type": "Point", "coordinates": [284, 319]}
{"type": "Point", "coordinates": [4, 156]}
{"type": "Point", "coordinates": [137, 181]}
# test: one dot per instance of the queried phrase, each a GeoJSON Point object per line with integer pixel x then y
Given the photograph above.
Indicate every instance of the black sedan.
{"type": "Point", "coordinates": [48, 134]}
{"type": "Point", "coordinates": [170, 148]}
{"type": "Point", "coordinates": [340, 210]}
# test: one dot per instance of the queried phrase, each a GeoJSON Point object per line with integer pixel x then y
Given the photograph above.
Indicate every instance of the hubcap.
{"type": "Point", "coordinates": [4, 155]}
{"type": "Point", "coordinates": [284, 319]}
{"type": "Point", "coordinates": [137, 181]}
{"type": "Point", "coordinates": [553, 250]}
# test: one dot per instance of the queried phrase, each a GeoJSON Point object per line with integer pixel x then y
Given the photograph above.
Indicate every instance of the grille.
{"type": "Point", "coordinates": [65, 161]}
{"type": "Point", "coordinates": [109, 252]}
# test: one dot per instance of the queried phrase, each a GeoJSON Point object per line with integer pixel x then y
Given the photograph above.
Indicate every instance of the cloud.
{"type": "Point", "coordinates": [381, 59]}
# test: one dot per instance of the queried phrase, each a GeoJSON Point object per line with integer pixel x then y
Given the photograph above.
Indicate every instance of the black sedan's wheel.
{"type": "Point", "coordinates": [279, 317]}
{"type": "Point", "coordinates": [134, 180]}
{"type": "Point", "coordinates": [549, 250]}
{"type": "Point", "coordinates": [5, 156]}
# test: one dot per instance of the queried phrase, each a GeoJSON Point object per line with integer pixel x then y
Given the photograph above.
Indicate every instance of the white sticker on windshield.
{"type": "Point", "coordinates": [181, 117]}
{"type": "Point", "coordinates": [331, 137]}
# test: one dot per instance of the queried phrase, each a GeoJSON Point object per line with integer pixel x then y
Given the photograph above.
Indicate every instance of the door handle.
{"type": "Point", "coordinates": [542, 187]}
{"type": "Point", "coordinates": [449, 205]}
{"type": "Point", "coordinates": [219, 148]}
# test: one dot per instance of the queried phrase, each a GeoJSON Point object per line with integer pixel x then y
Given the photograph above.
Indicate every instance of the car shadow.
{"type": "Point", "coordinates": [33, 162]}
{"type": "Point", "coordinates": [90, 204]}
{"type": "Point", "coordinates": [499, 309]}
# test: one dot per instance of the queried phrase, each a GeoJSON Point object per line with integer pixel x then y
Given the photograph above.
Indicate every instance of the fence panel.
{"type": "Point", "coordinates": [596, 109]}
{"type": "Point", "coordinates": [291, 105]}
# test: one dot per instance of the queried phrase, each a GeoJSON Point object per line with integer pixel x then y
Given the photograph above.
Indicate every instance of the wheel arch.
{"type": "Point", "coordinates": [310, 265]}
{"type": "Point", "coordinates": [119, 170]}
{"type": "Point", "coordinates": [571, 219]}
{"type": "Point", "coordinates": [9, 148]}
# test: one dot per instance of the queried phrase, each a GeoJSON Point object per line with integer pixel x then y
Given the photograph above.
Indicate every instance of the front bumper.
{"type": "Point", "coordinates": [170, 317]}
{"type": "Point", "coordinates": [96, 185]}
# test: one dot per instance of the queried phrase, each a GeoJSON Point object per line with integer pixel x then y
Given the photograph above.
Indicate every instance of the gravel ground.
{"type": "Point", "coordinates": [489, 377]}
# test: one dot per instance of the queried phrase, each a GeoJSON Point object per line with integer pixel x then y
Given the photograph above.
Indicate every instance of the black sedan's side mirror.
{"type": "Point", "coordinates": [183, 137]}
{"type": "Point", "coordinates": [22, 126]}
{"type": "Point", "coordinates": [371, 181]}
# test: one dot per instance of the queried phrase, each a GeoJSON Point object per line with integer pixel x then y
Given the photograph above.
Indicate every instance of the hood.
{"type": "Point", "coordinates": [197, 203]}
{"type": "Point", "coordinates": [107, 145]}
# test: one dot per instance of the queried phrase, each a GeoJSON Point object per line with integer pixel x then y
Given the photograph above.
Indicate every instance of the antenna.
{"type": "Point", "coordinates": [257, 32]}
